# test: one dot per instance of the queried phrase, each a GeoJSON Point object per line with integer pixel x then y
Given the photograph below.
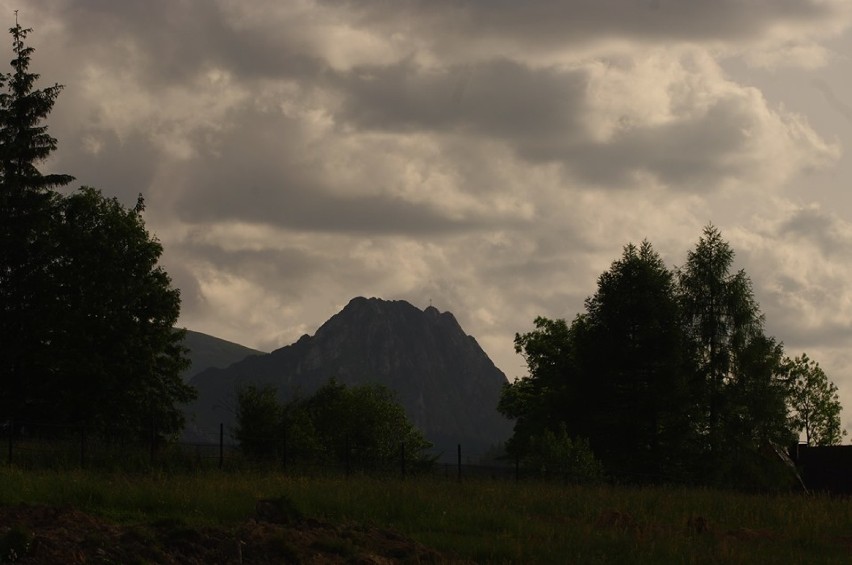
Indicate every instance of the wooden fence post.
{"type": "Point", "coordinates": [153, 439]}
{"type": "Point", "coordinates": [82, 447]}
{"type": "Point", "coordinates": [221, 444]}
{"type": "Point", "coordinates": [284, 448]}
{"type": "Point", "coordinates": [347, 457]}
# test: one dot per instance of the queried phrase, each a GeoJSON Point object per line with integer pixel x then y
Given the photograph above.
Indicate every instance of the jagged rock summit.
{"type": "Point", "coordinates": [444, 380]}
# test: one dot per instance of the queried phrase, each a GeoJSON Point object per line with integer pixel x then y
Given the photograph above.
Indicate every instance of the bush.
{"type": "Point", "coordinates": [558, 455]}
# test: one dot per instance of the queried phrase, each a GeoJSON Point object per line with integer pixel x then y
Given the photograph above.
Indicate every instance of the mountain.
{"type": "Point", "coordinates": [206, 351]}
{"type": "Point", "coordinates": [446, 383]}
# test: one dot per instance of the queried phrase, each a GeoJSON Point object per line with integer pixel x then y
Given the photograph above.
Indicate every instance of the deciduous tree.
{"type": "Point", "coordinates": [669, 375]}
{"type": "Point", "coordinates": [814, 403]}
{"type": "Point", "coordinates": [363, 425]}
{"type": "Point", "coordinates": [552, 395]}
{"type": "Point", "coordinates": [116, 350]}
{"type": "Point", "coordinates": [259, 429]}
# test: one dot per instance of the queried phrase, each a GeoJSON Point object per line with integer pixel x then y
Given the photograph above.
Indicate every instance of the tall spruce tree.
{"type": "Point", "coordinates": [27, 213]}
{"type": "Point", "coordinates": [24, 141]}
{"type": "Point", "coordinates": [633, 359]}
{"type": "Point", "coordinates": [86, 313]}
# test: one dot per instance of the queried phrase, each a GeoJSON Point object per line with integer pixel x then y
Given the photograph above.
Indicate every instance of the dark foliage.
{"type": "Point", "coordinates": [86, 314]}
{"type": "Point", "coordinates": [359, 425]}
{"type": "Point", "coordinates": [668, 375]}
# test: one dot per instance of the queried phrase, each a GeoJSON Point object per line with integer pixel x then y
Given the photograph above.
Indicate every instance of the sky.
{"type": "Point", "coordinates": [488, 157]}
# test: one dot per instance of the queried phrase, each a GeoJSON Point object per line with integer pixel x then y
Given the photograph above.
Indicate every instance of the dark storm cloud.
{"type": "Point", "coordinates": [499, 97]}
{"type": "Point", "coordinates": [312, 209]}
{"type": "Point", "coordinates": [170, 41]}
{"type": "Point", "coordinates": [539, 114]}
{"type": "Point", "coordinates": [177, 39]}
{"type": "Point", "coordinates": [547, 23]}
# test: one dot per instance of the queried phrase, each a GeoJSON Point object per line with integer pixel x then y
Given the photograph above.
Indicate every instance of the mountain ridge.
{"type": "Point", "coordinates": [207, 351]}
{"type": "Point", "coordinates": [442, 377]}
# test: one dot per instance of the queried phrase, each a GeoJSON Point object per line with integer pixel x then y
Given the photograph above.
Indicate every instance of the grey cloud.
{"type": "Point", "coordinates": [797, 337]}
{"type": "Point", "coordinates": [122, 168]}
{"type": "Point", "coordinates": [177, 39]}
{"type": "Point", "coordinates": [818, 227]}
{"type": "Point", "coordinates": [499, 97]}
{"type": "Point", "coordinates": [539, 112]}
{"type": "Point", "coordinates": [548, 23]}
{"type": "Point", "coordinates": [690, 154]}
{"type": "Point", "coordinates": [831, 97]}
{"type": "Point", "coordinates": [183, 278]}
{"type": "Point", "coordinates": [266, 267]}
{"type": "Point", "coordinates": [269, 177]}
{"type": "Point", "coordinates": [312, 209]}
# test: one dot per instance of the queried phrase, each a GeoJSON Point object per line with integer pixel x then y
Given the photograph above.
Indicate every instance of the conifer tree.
{"type": "Point", "coordinates": [86, 313]}
{"type": "Point", "coordinates": [27, 212]}
{"type": "Point", "coordinates": [737, 367]}
{"type": "Point", "coordinates": [24, 141]}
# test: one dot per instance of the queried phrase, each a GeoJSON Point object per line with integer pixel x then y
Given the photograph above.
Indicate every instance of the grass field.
{"type": "Point", "coordinates": [483, 521]}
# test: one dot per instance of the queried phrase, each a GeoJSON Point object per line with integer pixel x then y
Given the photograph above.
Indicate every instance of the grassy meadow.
{"type": "Point", "coordinates": [483, 521]}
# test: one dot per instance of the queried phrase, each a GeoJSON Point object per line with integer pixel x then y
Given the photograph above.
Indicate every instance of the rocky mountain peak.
{"type": "Point", "coordinates": [446, 383]}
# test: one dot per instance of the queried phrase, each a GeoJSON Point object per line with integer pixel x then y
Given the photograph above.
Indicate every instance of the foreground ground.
{"type": "Point", "coordinates": [43, 534]}
{"type": "Point", "coordinates": [102, 517]}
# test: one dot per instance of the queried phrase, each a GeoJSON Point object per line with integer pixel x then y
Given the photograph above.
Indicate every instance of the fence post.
{"type": "Point", "coordinates": [284, 448]}
{"type": "Point", "coordinates": [348, 462]}
{"type": "Point", "coordinates": [153, 439]}
{"type": "Point", "coordinates": [221, 444]}
{"type": "Point", "coordinates": [459, 453]}
{"type": "Point", "coordinates": [517, 468]}
{"type": "Point", "coordinates": [402, 458]}
{"type": "Point", "coordinates": [11, 438]}
{"type": "Point", "coordinates": [82, 447]}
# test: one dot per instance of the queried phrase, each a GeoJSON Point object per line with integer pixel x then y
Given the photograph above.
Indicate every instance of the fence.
{"type": "Point", "coordinates": [39, 446]}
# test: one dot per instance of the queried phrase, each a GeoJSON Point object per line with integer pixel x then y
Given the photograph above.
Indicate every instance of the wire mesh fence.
{"type": "Point", "coordinates": [40, 446]}
{"type": "Point", "coordinates": [44, 446]}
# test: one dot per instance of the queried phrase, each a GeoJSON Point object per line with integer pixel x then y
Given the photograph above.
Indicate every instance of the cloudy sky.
{"type": "Point", "coordinates": [490, 157]}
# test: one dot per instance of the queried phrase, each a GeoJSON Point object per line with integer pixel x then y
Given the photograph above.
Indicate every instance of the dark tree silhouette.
{"type": "Point", "coordinates": [86, 314]}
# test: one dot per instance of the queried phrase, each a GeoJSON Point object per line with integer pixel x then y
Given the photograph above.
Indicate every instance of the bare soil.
{"type": "Point", "coordinates": [44, 534]}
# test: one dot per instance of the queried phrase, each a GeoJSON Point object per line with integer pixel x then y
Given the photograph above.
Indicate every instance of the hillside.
{"type": "Point", "coordinates": [206, 351]}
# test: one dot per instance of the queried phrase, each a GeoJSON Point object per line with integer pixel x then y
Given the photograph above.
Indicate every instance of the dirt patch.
{"type": "Point", "coordinates": [43, 534]}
